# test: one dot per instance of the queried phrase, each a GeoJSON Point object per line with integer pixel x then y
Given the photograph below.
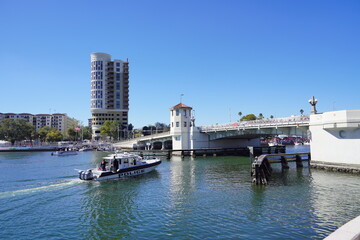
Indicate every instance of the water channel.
{"type": "Point", "coordinates": [190, 198]}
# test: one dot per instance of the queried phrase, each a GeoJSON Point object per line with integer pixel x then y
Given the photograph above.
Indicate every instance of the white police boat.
{"type": "Point", "coordinates": [120, 165]}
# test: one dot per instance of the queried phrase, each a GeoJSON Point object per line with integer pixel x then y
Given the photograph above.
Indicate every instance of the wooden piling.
{"type": "Point", "coordinates": [284, 163]}
{"type": "Point", "coordinates": [261, 167]}
{"type": "Point", "coordinates": [298, 160]}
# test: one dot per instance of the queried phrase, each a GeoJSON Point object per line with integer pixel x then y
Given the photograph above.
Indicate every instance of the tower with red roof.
{"type": "Point", "coordinates": [180, 126]}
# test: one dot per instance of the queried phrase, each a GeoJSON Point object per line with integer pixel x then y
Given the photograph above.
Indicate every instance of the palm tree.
{"type": "Point", "coordinates": [271, 116]}
{"type": "Point", "coordinates": [261, 116]}
{"type": "Point", "coordinates": [240, 113]}
{"type": "Point", "coordinates": [301, 111]}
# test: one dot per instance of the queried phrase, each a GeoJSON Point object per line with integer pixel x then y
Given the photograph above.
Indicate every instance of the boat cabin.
{"type": "Point", "coordinates": [115, 162]}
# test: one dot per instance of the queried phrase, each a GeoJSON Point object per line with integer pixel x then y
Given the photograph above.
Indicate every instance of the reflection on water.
{"type": "Point", "coordinates": [112, 208]}
{"type": "Point", "coordinates": [102, 204]}
{"type": "Point", "coordinates": [184, 198]}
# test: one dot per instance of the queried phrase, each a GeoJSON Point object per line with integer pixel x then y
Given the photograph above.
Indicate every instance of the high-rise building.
{"type": "Point", "coordinates": [109, 91]}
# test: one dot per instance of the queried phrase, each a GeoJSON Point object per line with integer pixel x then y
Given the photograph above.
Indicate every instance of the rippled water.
{"type": "Point", "coordinates": [201, 198]}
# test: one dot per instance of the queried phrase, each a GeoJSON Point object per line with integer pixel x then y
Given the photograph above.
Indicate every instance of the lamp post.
{"type": "Point", "coordinates": [118, 133]}
{"type": "Point", "coordinates": [313, 102]}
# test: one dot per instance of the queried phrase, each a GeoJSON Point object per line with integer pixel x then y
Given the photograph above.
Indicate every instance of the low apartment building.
{"type": "Point", "coordinates": [59, 121]}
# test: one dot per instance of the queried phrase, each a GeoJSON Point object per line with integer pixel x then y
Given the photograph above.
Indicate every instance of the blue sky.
{"type": "Point", "coordinates": [225, 56]}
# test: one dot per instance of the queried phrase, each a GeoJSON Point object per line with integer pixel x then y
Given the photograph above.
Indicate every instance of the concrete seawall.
{"type": "Point", "coordinates": [336, 167]}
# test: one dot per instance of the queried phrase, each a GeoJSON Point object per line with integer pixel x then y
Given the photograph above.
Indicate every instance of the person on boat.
{"type": "Point", "coordinates": [116, 164]}
{"type": "Point", "coordinates": [103, 165]}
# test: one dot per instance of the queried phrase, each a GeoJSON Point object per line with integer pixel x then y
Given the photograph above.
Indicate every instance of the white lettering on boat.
{"type": "Point", "coordinates": [136, 172]}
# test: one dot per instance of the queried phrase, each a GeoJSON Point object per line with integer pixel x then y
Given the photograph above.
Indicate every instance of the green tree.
{"type": "Point", "coordinates": [72, 133]}
{"type": "Point", "coordinates": [261, 116]}
{"type": "Point", "coordinates": [111, 129]}
{"type": "Point", "coordinates": [248, 117]}
{"type": "Point", "coordinates": [16, 130]}
{"type": "Point", "coordinates": [53, 136]}
{"type": "Point", "coordinates": [27, 130]}
{"type": "Point", "coordinates": [86, 131]}
{"type": "Point", "coordinates": [145, 131]}
{"type": "Point", "coordinates": [42, 132]}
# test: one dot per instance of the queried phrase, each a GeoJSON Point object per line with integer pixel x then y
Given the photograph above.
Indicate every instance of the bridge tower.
{"type": "Point", "coordinates": [180, 123]}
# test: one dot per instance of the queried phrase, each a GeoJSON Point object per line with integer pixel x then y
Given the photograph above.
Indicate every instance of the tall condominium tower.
{"type": "Point", "coordinates": [109, 91]}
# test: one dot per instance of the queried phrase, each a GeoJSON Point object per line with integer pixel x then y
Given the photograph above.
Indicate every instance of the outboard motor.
{"type": "Point", "coordinates": [86, 175]}
{"type": "Point", "coordinates": [80, 173]}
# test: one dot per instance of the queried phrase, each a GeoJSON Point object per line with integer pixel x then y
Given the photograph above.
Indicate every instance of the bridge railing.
{"type": "Point", "coordinates": [276, 122]}
{"type": "Point", "coordinates": [147, 137]}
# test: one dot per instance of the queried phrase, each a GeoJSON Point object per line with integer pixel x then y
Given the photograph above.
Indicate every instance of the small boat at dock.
{"type": "Point", "coordinates": [120, 165]}
{"type": "Point", "coordinates": [86, 149]}
{"type": "Point", "coordinates": [65, 152]}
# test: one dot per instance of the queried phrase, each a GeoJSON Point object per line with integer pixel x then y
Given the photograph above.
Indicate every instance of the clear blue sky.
{"type": "Point", "coordinates": [225, 56]}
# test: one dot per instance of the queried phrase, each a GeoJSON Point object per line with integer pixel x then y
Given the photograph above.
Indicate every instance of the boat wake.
{"type": "Point", "coordinates": [39, 189]}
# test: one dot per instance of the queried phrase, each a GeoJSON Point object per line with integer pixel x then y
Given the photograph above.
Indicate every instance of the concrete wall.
{"type": "Point", "coordinates": [198, 140]}
{"type": "Point", "coordinates": [335, 137]}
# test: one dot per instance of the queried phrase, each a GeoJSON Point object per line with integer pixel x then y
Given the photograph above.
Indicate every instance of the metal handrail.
{"type": "Point", "coordinates": [303, 120]}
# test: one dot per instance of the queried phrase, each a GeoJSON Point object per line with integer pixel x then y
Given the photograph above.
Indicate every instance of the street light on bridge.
{"type": "Point", "coordinates": [313, 102]}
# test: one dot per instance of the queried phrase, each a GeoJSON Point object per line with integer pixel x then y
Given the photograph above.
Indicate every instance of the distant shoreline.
{"type": "Point", "coordinates": [28, 149]}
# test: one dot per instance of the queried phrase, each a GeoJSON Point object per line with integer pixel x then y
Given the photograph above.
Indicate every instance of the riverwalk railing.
{"type": "Point", "coordinates": [261, 167]}
{"type": "Point", "coordinates": [265, 123]}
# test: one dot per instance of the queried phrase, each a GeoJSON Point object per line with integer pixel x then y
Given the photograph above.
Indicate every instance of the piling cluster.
{"type": "Point", "coordinates": [261, 167]}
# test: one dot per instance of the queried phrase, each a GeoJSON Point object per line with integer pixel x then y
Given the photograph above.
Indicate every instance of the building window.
{"type": "Point", "coordinates": [177, 138]}
{"type": "Point", "coordinates": [185, 113]}
{"type": "Point", "coordinates": [97, 75]}
{"type": "Point", "coordinates": [184, 124]}
{"type": "Point", "coordinates": [177, 124]}
{"type": "Point", "coordinates": [177, 112]}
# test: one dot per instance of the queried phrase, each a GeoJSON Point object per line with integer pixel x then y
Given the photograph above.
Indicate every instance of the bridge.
{"type": "Point", "coordinates": [295, 125]}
